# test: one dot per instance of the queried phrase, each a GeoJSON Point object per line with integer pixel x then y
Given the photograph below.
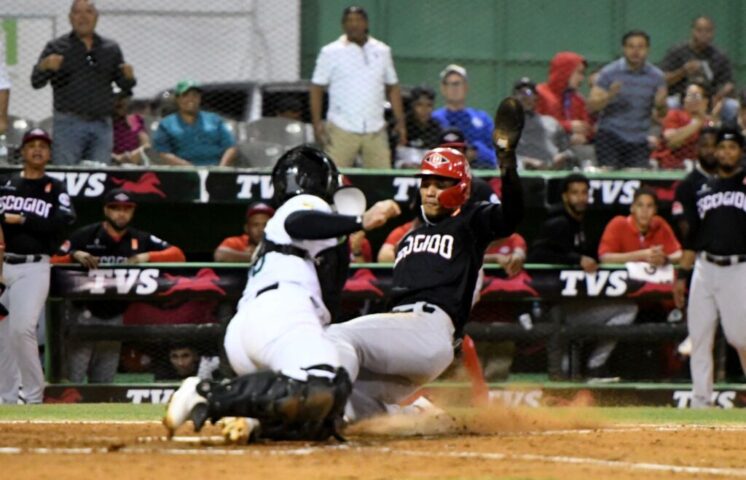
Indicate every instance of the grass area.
{"type": "Point", "coordinates": [119, 411]}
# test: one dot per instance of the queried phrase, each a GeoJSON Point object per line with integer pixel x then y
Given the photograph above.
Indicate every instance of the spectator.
{"type": "Point", "coordinates": [681, 128]}
{"type": "Point", "coordinates": [110, 242]}
{"type": "Point", "coordinates": [562, 240]}
{"type": "Point", "coordinates": [290, 108]}
{"type": "Point", "coordinates": [698, 60]}
{"type": "Point", "coordinates": [241, 247]}
{"type": "Point", "coordinates": [509, 252]}
{"type": "Point", "coordinates": [544, 144]}
{"type": "Point", "coordinates": [81, 67]}
{"type": "Point", "coordinates": [387, 252]}
{"type": "Point", "coordinates": [559, 96]}
{"type": "Point", "coordinates": [475, 124]}
{"type": "Point", "coordinates": [193, 137]}
{"type": "Point", "coordinates": [625, 94]}
{"type": "Point", "coordinates": [4, 92]}
{"type": "Point", "coordinates": [423, 131]}
{"type": "Point", "coordinates": [357, 69]}
{"type": "Point", "coordinates": [130, 136]}
{"type": "Point", "coordinates": [185, 361]}
{"type": "Point", "coordinates": [36, 208]}
{"type": "Point", "coordinates": [642, 236]}
{"type": "Point", "coordinates": [360, 248]}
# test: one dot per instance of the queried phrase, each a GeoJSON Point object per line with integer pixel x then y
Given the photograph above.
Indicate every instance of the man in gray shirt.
{"type": "Point", "coordinates": [544, 144]}
{"type": "Point", "coordinates": [627, 93]}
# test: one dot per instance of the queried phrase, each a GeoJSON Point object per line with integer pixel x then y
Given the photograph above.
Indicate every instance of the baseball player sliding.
{"type": "Point", "coordinates": [278, 331]}
{"type": "Point", "coordinates": [305, 392]}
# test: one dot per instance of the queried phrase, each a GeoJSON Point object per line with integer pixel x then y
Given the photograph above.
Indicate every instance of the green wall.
{"type": "Point", "coordinates": [499, 41]}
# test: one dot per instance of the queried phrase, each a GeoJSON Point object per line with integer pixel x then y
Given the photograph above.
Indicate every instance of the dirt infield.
{"type": "Point", "coordinates": [503, 445]}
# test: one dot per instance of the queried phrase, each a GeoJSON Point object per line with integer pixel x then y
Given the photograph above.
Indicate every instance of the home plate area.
{"type": "Point", "coordinates": [468, 443]}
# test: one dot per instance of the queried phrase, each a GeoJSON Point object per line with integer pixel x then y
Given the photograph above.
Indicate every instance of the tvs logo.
{"type": "Point", "coordinates": [124, 280]}
{"type": "Point", "coordinates": [611, 192]}
{"type": "Point", "coordinates": [146, 184]}
{"type": "Point", "coordinates": [149, 395]}
{"type": "Point", "coordinates": [722, 399]}
{"type": "Point", "coordinates": [86, 184]}
{"type": "Point", "coordinates": [603, 282]}
{"type": "Point", "coordinates": [206, 280]}
{"type": "Point", "coordinates": [249, 183]}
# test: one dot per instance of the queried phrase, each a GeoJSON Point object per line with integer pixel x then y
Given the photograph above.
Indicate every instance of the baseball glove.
{"type": "Point", "coordinates": [509, 120]}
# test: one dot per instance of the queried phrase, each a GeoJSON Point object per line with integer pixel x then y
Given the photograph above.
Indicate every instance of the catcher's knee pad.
{"type": "Point", "coordinates": [286, 407]}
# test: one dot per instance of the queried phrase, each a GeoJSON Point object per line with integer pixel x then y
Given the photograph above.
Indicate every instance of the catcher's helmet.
{"type": "Point", "coordinates": [304, 169]}
{"type": "Point", "coordinates": [448, 163]}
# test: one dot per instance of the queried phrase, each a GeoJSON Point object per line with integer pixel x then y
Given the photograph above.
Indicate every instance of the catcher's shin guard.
{"type": "Point", "coordinates": [509, 120]}
{"type": "Point", "coordinates": [287, 408]}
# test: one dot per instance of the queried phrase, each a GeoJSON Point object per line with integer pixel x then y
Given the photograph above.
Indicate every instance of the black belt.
{"type": "Point", "coordinates": [15, 259]}
{"type": "Point", "coordinates": [266, 289]}
{"type": "Point", "coordinates": [724, 260]}
{"type": "Point", "coordinates": [270, 246]}
{"type": "Point", "coordinates": [86, 116]}
{"type": "Point", "coordinates": [425, 308]}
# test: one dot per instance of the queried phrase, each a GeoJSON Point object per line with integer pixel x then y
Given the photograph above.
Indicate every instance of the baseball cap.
{"type": "Point", "coordinates": [452, 138]}
{"type": "Point", "coordinates": [36, 134]}
{"type": "Point", "coordinates": [730, 134]}
{"type": "Point", "coordinates": [259, 207]}
{"type": "Point", "coordinates": [185, 85]}
{"type": "Point", "coordinates": [453, 68]}
{"type": "Point", "coordinates": [354, 9]}
{"type": "Point", "coordinates": [524, 83]}
{"type": "Point", "coordinates": [120, 197]}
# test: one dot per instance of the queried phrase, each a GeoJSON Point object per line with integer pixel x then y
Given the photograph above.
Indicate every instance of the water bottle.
{"type": "Point", "coordinates": [536, 311]}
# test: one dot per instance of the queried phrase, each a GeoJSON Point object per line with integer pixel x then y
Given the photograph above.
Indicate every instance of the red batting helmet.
{"type": "Point", "coordinates": [448, 163]}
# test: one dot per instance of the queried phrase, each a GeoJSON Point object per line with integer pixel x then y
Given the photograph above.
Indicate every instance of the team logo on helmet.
{"type": "Point", "coordinates": [436, 160]}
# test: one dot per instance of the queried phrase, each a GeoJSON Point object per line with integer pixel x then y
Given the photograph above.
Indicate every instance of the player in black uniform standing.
{"type": "Point", "coordinates": [34, 209]}
{"type": "Point", "coordinates": [717, 231]}
{"type": "Point", "coordinates": [390, 355]}
{"type": "Point", "coordinates": [112, 241]}
{"type": "Point", "coordinates": [686, 193]}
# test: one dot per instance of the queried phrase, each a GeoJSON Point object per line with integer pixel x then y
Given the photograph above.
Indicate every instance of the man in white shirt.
{"type": "Point", "coordinates": [4, 92]}
{"type": "Point", "coordinates": [359, 73]}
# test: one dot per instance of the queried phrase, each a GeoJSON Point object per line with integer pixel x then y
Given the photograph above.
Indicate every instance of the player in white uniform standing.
{"type": "Point", "coordinates": [278, 330]}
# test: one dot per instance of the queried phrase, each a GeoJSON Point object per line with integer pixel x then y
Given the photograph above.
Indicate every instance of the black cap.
{"type": "Point", "coordinates": [354, 9]}
{"type": "Point", "coordinates": [36, 134]}
{"type": "Point", "coordinates": [731, 134]}
{"type": "Point", "coordinates": [119, 196]}
{"type": "Point", "coordinates": [524, 83]}
{"type": "Point", "coordinates": [453, 138]}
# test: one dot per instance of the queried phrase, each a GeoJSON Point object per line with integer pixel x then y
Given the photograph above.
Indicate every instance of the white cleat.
{"type": "Point", "coordinates": [239, 430]}
{"type": "Point", "coordinates": [182, 403]}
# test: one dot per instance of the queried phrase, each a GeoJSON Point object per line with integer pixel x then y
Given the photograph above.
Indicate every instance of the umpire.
{"type": "Point", "coordinates": [717, 220]}
{"type": "Point", "coordinates": [34, 209]}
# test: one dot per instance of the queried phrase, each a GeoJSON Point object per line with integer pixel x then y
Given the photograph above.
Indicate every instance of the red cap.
{"type": "Point", "coordinates": [36, 134]}
{"type": "Point", "coordinates": [259, 207]}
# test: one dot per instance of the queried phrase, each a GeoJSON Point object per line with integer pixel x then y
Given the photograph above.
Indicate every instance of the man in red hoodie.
{"type": "Point", "coordinates": [559, 96]}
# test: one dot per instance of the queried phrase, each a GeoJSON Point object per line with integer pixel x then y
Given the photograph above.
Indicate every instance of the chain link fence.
{"type": "Point", "coordinates": [230, 83]}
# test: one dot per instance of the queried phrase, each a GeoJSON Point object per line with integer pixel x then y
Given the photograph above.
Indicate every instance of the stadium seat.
{"type": "Point", "coordinates": [281, 131]}
{"type": "Point", "coordinates": [259, 153]}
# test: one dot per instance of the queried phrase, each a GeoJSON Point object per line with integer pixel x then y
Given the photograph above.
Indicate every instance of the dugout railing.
{"type": "Point", "coordinates": [543, 285]}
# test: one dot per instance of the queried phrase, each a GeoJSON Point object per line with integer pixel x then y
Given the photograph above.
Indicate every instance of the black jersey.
{"type": "Point", "coordinates": [717, 220]}
{"type": "Point", "coordinates": [47, 209]}
{"type": "Point", "coordinates": [686, 194]}
{"type": "Point", "coordinates": [562, 240]}
{"type": "Point", "coordinates": [94, 239]}
{"type": "Point", "coordinates": [439, 263]}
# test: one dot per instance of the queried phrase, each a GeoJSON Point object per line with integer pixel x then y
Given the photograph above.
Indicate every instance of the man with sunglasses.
{"type": "Point", "coordinates": [81, 66]}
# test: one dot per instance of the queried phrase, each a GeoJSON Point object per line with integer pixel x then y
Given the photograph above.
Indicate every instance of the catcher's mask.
{"type": "Point", "coordinates": [304, 169]}
{"type": "Point", "coordinates": [448, 163]}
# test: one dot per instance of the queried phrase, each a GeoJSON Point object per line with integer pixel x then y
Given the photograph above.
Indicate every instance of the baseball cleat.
{"type": "Point", "coordinates": [685, 347]}
{"type": "Point", "coordinates": [509, 121]}
{"type": "Point", "coordinates": [186, 404]}
{"type": "Point", "coordinates": [239, 430]}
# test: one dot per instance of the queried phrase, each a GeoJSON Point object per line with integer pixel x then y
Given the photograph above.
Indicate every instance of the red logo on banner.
{"type": "Point", "coordinates": [518, 284]}
{"type": "Point", "coordinates": [69, 395]}
{"type": "Point", "coordinates": [205, 281]}
{"type": "Point", "coordinates": [146, 184]}
{"type": "Point", "coordinates": [666, 194]}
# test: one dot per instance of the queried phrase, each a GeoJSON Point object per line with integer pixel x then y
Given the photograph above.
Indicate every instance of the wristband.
{"type": "Point", "coordinates": [683, 274]}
